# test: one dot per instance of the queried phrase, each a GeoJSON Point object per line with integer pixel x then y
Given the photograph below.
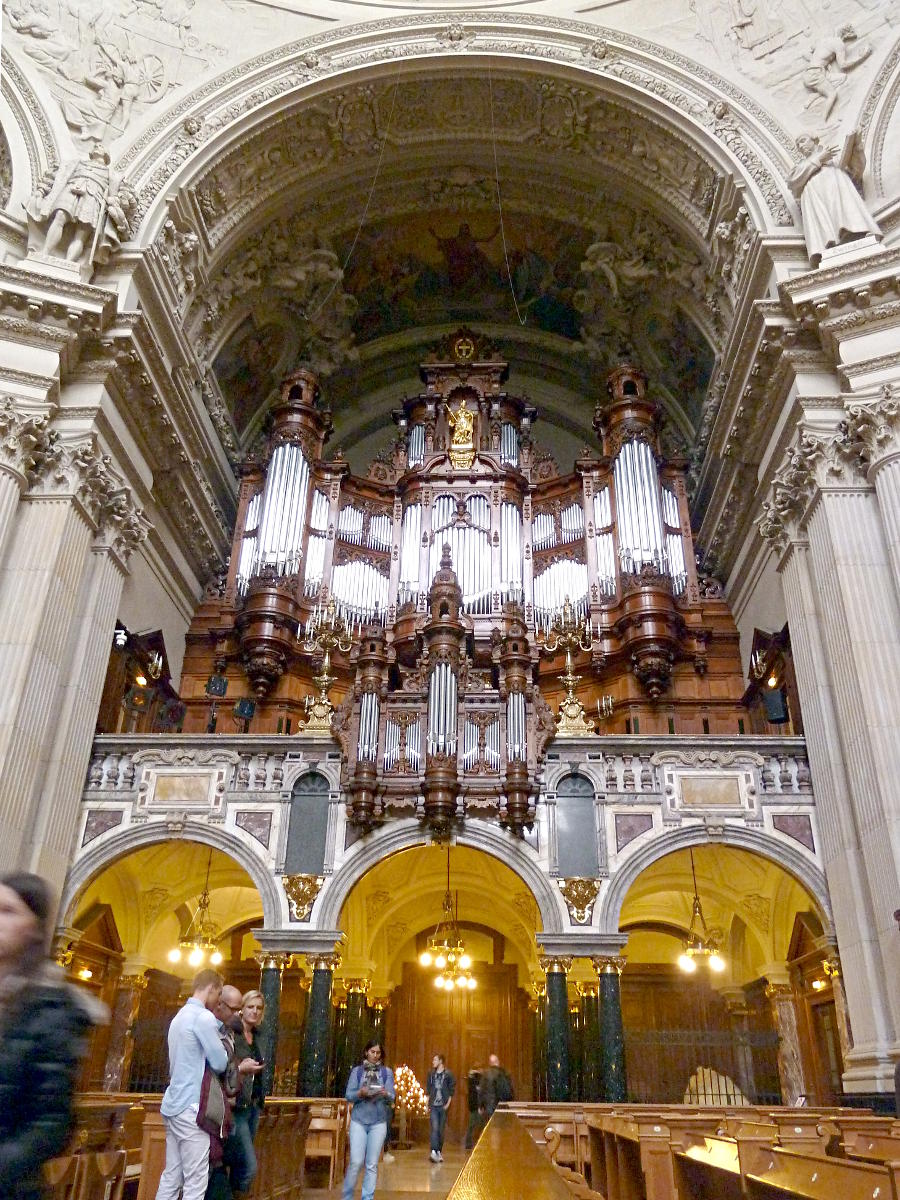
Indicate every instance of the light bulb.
{"type": "Point", "coordinates": [716, 963]}
{"type": "Point", "coordinates": [449, 985]}
{"type": "Point", "coordinates": [439, 981]}
{"type": "Point", "coordinates": [471, 983]}
{"type": "Point", "coordinates": [687, 964]}
{"type": "Point", "coordinates": [215, 958]}
{"type": "Point", "coordinates": [174, 956]}
{"type": "Point", "coordinates": [441, 961]}
{"type": "Point", "coordinates": [460, 981]}
{"type": "Point", "coordinates": [426, 958]}
{"type": "Point", "coordinates": [195, 958]}
{"type": "Point", "coordinates": [465, 962]}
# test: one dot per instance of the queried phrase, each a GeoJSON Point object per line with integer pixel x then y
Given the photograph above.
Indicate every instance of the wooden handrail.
{"type": "Point", "coordinates": [507, 1165]}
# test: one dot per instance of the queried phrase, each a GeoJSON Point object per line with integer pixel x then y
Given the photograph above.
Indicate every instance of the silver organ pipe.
{"type": "Point", "coordinates": [492, 746]}
{"type": "Point", "coordinates": [442, 710]}
{"type": "Point", "coordinates": [392, 745]}
{"type": "Point", "coordinates": [509, 444]}
{"type": "Point", "coordinates": [315, 564]}
{"type": "Point", "coordinates": [369, 714]}
{"type": "Point", "coordinates": [470, 548]}
{"type": "Point", "coordinates": [283, 511]}
{"type": "Point", "coordinates": [380, 532]}
{"type": "Point", "coordinates": [674, 541]}
{"type": "Point", "coordinates": [606, 555]}
{"type": "Point", "coordinates": [248, 545]}
{"type": "Point", "coordinates": [561, 579]}
{"type": "Point", "coordinates": [572, 523]}
{"type": "Point", "coordinates": [350, 525]}
{"type": "Point", "coordinates": [511, 552]}
{"type": "Point", "coordinates": [318, 513]}
{"type": "Point", "coordinates": [543, 531]}
{"type": "Point", "coordinates": [410, 534]}
{"type": "Point", "coordinates": [360, 591]}
{"type": "Point", "coordinates": [516, 748]}
{"type": "Point", "coordinates": [470, 745]}
{"type": "Point", "coordinates": [470, 754]}
{"type": "Point", "coordinates": [415, 454]}
{"type": "Point", "coordinates": [640, 525]}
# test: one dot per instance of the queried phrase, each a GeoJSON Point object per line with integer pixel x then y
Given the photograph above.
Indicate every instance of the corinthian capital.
{"type": "Point", "coordinates": [22, 434]}
{"type": "Point", "coordinates": [873, 426]}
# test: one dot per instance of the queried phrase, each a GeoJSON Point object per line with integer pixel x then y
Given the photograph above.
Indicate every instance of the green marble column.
{"type": "Point", "coordinates": [576, 1052]}
{"type": "Point", "coordinates": [538, 1007]}
{"type": "Point", "coordinates": [590, 1041]}
{"type": "Point", "coordinates": [313, 1073]}
{"type": "Point", "coordinates": [379, 1015]}
{"type": "Point", "coordinates": [356, 1030]}
{"type": "Point", "coordinates": [613, 1085]}
{"type": "Point", "coordinates": [557, 1039]}
{"type": "Point", "coordinates": [272, 968]}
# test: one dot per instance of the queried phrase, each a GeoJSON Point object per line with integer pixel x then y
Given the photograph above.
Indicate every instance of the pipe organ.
{"type": "Point", "coordinates": [449, 563]}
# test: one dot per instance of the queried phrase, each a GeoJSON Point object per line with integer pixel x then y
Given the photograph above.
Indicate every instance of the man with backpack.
{"type": "Point", "coordinates": [495, 1087]}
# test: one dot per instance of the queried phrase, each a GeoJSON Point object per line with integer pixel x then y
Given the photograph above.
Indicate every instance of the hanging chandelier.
{"type": "Point", "coordinates": [446, 950]}
{"type": "Point", "coordinates": [198, 944]}
{"type": "Point", "coordinates": [699, 943]}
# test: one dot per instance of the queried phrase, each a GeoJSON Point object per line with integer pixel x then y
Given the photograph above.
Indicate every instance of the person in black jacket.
{"type": "Point", "coordinates": [44, 1022]}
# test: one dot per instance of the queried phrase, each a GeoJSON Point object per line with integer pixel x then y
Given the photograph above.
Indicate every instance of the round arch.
{"type": "Point", "coordinates": [720, 122]}
{"type": "Point", "coordinates": [404, 835]}
{"type": "Point", "coordinates": [86, 869]}
{"type": "Point", "coordinates": [792, 861]}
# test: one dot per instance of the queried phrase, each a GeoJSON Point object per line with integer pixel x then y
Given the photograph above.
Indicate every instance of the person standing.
{"type": "Point", "coordinates": [494, 1088]}
{"type": "Point", "coordinates": [370, 1089]}
{"type": "Point", "coordinates": [439, 1087]}
{"type": "Point", "coordinates": [476, 1120]}
{"type": "Point", "coordinates": [240, 1155]}
{"type": "Point", "coordinates": [194, 1042]}
{"type": "Point", "coordinates": [223, 1155]}
{"type": "Point", "coordinates": [45, 1022]}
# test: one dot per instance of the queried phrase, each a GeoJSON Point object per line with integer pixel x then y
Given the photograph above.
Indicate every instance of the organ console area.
{"type": "Point", "coordinates": [465, 602]}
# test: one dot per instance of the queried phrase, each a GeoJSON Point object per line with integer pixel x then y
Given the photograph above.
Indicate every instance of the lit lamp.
{"type": "Point", "coordinates": [699, 943]}
{"type": "Point", "coordinates": [446, 950]}
{"type": "Point", "coordinates": [197, 944]}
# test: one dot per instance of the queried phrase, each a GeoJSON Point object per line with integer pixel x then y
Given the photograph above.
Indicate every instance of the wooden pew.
{"type": "Point", "coordinates": [507, 1165]}
{"type": "Point", "coordinates": [789, 1173]}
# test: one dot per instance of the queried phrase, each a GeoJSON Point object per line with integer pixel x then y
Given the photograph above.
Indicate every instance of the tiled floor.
{"type": "Point", "coordinates": [409, 1174]}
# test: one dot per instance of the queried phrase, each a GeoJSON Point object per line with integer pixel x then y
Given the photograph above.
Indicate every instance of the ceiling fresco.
{"type": "Point", "coordinates": [578, 236]}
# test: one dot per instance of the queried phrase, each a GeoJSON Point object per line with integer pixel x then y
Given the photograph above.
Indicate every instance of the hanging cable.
{"type": "Point", "coordinates": [365, 212]}
{"type": "Point", "coordinates": [512, 289]}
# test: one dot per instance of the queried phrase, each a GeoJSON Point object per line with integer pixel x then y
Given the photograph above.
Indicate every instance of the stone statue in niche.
{"type": "Point", "coordinates": [74, 216]}
{"type": "Point", "coordinates": [833, 211]}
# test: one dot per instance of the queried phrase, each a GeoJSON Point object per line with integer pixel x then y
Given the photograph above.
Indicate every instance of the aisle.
{"type": "Point", "coordinates": [409, 1174]}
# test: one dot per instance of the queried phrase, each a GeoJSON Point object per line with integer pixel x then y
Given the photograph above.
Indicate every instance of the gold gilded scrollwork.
{"type": "Point", "coordinates": [301, 891]}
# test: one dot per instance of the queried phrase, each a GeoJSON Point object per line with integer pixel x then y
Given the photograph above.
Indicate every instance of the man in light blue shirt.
{"type": "Point", "coordinates": [194, 1041]}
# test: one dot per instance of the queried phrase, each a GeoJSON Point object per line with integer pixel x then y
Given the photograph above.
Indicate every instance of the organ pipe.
{"type": "Point", "coordinates": [283, 509]}
{"type": "Point", "coordinates": [516, 748]}
{"type": "Point", "coordinates": [370, 713]}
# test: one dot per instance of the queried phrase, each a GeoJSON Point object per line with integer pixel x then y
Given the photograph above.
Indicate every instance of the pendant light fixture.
{"type": "Point", "coordinates": [197, 945]}
{"type": "Point", "coordinates": [446, 950]}
{"type": "Point", "coordinates": [699, 944]}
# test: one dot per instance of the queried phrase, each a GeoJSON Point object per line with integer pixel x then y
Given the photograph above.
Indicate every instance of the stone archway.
{"type": "Point", "coordinates": [95, 861]}
{"type": "Point", "coordinates": [403, 835]}
{"type": "Point", "coordinates": [792, 861]}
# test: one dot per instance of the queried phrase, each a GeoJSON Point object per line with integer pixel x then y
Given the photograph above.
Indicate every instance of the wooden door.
{"type": "Point", "coordinates": [463, 1026]}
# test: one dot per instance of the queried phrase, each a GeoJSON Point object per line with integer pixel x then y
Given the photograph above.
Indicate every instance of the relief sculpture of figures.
{"type": "Point", "coordinates": [833, 211]}
{"type": "Point", "coordinates": [829, 61]}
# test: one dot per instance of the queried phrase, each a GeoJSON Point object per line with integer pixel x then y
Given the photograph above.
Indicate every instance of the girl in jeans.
{"type": "Point", "coordinates": [370, 1089]}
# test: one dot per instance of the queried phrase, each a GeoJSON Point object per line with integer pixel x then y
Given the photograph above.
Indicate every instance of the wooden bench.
{"type": "Point", "coordinates": [507, 1165]}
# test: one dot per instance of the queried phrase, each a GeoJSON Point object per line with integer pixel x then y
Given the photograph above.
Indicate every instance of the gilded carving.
{"type": "Point", "coordinates": [301, 891]}
{"type": "Point", "coordinates": [579, 895]}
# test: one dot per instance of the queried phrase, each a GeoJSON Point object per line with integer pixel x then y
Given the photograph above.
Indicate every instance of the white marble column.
{"type": "Point", "coordinates": [839, 837]}
{"type": "Point", "coordinates": [44, 595]}
{"type": "Point", "coordinates": [48, 846]}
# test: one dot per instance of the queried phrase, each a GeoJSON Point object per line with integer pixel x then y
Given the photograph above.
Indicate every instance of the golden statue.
{"type": "Point", "coordinates": [462, 443]}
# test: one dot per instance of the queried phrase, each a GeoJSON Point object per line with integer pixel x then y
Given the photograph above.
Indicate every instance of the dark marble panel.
{"type": "Point", "coordinates": [631, 825]}
{"type": "Point", "coordinates": [797, 826]}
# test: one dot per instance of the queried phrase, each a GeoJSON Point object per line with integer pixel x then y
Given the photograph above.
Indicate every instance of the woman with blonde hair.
{"type": "Point", "coordinates": [240, 1154]}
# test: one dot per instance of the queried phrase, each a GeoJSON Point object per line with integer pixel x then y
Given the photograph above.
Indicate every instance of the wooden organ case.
{"type": "Point", "coordinates": [442, 579]}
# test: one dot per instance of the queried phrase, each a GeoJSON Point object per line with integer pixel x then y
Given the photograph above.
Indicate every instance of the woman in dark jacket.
{"type": "Point", "coordinates": [239, 1151]}
{"type": "Point", "coordinates": [44, 1024]}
